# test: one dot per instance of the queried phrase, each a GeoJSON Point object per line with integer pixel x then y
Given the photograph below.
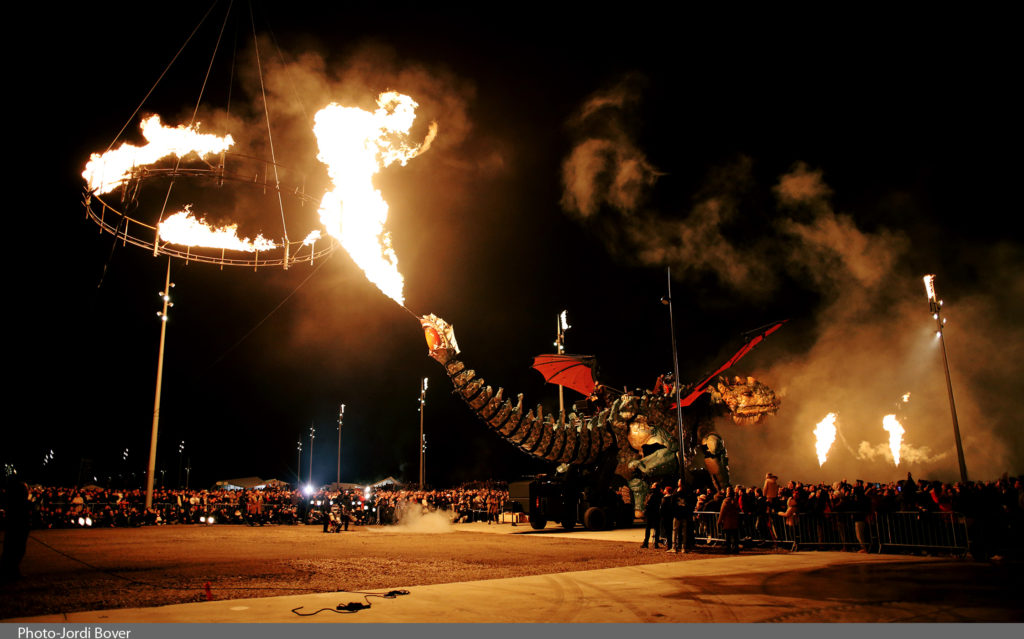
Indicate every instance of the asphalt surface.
{"type": "Point", "coordinates": [789, 587]}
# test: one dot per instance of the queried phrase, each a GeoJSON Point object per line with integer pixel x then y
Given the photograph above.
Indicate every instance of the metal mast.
{"type": "Point", "coordinates": [935, 305]}
{"type": "Point", "coordinates": [166, 296]}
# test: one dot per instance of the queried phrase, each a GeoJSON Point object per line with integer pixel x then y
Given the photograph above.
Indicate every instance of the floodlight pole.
{"type": "Point", "coordinates": [935, 305]}
{"type": "Point", "coordinates": [561, 325]}
{"type": "Point", "coordinates": [341, 418]}
{"type": "Point", "coordinates": [312, 434]}
{"type": "Point", "coordinates": [423, 404]}
{"type": "Point", "coordinates": [181, 459]}
{"type": "Point", "coordinates": [298, 468]}
{"type": "Point", "coordinates": [166, 295]}
{"type": "Point", "coordinates": [681, 455]}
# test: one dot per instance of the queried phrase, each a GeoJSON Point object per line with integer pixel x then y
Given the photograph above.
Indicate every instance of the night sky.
{"type": "Point", "coordinates": [810, 168]}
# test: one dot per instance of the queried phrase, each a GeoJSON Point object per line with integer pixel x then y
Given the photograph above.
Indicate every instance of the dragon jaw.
{"type": "Point", "coordinates": [440, 336]}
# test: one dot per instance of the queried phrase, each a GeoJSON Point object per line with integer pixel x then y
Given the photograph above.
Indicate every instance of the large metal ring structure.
{"type": "Point", "coordinates": [114, 220]}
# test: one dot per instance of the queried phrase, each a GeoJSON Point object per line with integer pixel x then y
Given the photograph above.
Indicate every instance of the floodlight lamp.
{"type": "Point", "coordinates": [929, 287]}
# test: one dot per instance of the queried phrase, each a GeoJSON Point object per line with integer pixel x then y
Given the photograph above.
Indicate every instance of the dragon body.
{"type": "Point", "coordinates": [626, 441]}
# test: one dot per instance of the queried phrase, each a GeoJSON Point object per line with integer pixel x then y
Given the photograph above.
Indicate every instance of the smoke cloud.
{"type": "Point", "coordinates": [874, 342]}
{"type": "Point", "coordinates": [413, 519]}
{"type": "Point", "coordinates": [606, 168]}
{"type": "Point", "coordinates": [908, 454]}
{"type": "Point", "coordinates": [608, 181]}
{"type": "Point", "coordinates": [871, 339]}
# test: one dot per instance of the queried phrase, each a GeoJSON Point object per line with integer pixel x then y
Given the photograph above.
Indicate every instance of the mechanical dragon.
{"type": "Point", "coordinates": [628, 440]}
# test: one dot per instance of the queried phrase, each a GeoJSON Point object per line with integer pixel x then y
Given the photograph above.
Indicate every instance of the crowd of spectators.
{"type": "Point", "coordinates": [57, 507]}
{"type": "Point", "coordinates": [466, 504]}
{"type": "Point", "coordinates": [993, 510]}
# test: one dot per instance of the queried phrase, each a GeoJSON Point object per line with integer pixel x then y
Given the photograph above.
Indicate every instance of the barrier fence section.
{"type": "Point", "coordinates": [861, 531]}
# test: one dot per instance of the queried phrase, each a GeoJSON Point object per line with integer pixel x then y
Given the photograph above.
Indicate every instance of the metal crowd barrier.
{"type": "Point", "coordinates": [939, 531]}
{"type": "Point", "coordinates": [944, 532]}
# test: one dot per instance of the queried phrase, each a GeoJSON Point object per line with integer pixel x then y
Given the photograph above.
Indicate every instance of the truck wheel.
{"type": "Point", "coordinates": [569, 524]}
{"type": "Point", "coordinates": [538, 523]}
{"type": "Point", "coordinates": [595, 519]}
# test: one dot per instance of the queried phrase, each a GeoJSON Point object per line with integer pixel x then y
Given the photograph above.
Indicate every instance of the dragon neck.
{"type": "Point", "coordinates": [577, 442]}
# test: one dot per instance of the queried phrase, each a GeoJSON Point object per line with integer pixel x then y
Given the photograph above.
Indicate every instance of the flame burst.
{"type": "Point", "coordinates": [105, 172]}
{"type": "Point", "coordinates": [825, 434]}
{"type": "Point", "coordinates": [895, 430]}
{"type": "Point", "coordinates": [183, 228]}
{"type": "Point", "coordinates": [356, 144]}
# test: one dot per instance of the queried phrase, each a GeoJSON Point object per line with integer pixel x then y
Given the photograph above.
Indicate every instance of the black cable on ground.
{"type": "Point", "coordinates": [353, 606]}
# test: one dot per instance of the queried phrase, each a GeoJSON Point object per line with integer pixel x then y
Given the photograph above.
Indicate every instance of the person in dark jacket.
{"type": "Point", "coordinates": [682, 518]}
{"type": "Point", "coordinates": [666, 515]}
{"type": "Point", "coordinates": [678, 509]}
{"type": "Point", "coordinates": [652, 516]}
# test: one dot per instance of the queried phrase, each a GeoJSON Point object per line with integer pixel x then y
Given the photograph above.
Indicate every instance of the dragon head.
{"type": "Point", "coordinates": [440, 337]}
{"type": "Point", "coordinates": [748, 400]}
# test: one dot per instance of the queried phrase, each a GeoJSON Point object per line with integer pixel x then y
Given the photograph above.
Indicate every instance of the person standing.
{"type": "Point", "coordinates": [677, 508]}
{"type": "Point", "coordinates": [688, 505]}
{"type": "Point", "coordinates": [666, 515]}
{"type": "Point", "coordinates": [683, 503]}
{"type": "Point", "coordinates": [861, 510]}
{"type": "Point", "coordinates": [771, 493]}
{"type": "Point", "coordinates": [16, 535]}
{"type": "Point", "coordinates": [652, 516]}
{"type": "Point", "coordinates": [346, 517]}
{"type": "Point", "coordinates": [729, 522]}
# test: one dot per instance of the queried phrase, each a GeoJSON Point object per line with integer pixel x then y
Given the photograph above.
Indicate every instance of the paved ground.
{"type": "Point", "coordinates": [790, 587]}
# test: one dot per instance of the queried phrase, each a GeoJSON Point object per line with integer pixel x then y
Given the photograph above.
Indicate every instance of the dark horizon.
{"type": "Point", "coordinates": [782, 172]}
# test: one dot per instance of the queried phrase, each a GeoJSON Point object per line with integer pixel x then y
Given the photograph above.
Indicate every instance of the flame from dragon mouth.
{"type": "Point", "coordinates": [356, 144]}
